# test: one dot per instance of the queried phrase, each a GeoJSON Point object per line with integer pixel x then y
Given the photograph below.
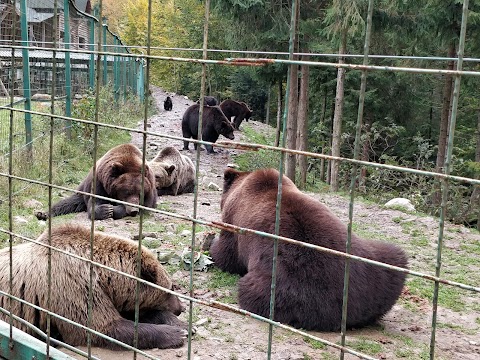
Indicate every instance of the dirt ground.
{"type": "Point", "coordinates": [404, 333]}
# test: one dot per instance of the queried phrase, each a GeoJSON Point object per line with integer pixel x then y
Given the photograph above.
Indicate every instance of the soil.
{"type": "Point", "coordinates": [404, 333]}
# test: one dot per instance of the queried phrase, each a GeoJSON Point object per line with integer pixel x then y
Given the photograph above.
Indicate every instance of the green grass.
{"type": "Point", "coordinates": [225, 283]}
{"type": "Point", "coordinates": [70, 159]}
{"type": "Point", "coordinates": [365, 345]}
{"type": "Point", "coordinates": [314, 344]}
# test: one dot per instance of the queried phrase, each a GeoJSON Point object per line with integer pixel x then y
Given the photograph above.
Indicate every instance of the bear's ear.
{"type": "Point", "coordinates": [117, 169]}
{"type": "Point", "coordinates": [229, 177]}
{"type": "Point", "coordinates": [169, 169]}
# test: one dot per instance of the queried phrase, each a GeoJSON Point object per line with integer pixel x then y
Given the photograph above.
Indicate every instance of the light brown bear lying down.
{"type": "Point", "coordinates": [113, 294]}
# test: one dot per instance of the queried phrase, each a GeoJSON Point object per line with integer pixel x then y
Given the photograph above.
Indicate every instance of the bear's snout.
{"type": "Point", "coordinates": [131, 210]}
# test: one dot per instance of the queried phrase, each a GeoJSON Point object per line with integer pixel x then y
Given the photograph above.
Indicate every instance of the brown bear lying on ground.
{"type": "Point", "coordinates": [113, 294]}
{"type": "Point", "coordinates": [238, 109]}
{"type": "Point", "coordinates": [309, 283]}
{"type": "Point", "coordinates": [174, 172]}
{"type": "Point", "coordinates": [214, 124]}
{"type": "Point", "coordinates": [118, 176]}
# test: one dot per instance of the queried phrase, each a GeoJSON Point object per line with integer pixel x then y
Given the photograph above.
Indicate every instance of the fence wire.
{"type": "Point", "coordinates": [97, 59]}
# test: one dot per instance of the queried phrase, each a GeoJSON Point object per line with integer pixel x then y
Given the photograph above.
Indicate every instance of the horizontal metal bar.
{"type": "Point", "coordinates": [264, 61]}
{"type": "Point", "coordinates": [250, 146]}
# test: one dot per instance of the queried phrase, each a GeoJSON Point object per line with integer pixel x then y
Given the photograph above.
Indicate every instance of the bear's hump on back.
{"type": "Point", "coordinates": [167, 152]}
{"type": "Point", "coordinates": [256, 182]}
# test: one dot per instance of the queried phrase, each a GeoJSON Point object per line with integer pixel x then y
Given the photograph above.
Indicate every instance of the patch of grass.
{"type": "Point", "coordinates": [366, 346]}
{"type": "Point", "coordinates": [70, 158]}
{"type": "Point", "coordinates": [314, 344]}
{"type": "Point", "coordinates": [448, 296]}
{"type": "Point", "coordinates": [225, 283]}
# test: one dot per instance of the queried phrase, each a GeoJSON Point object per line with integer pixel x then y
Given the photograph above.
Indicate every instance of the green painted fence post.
{"type": "Point", "coordinates": [26, 74]}
{"type": "Point", "coordinates": [116, 68]}
{"type": "Point", "coordinates": [105, 62]}
{"type": "Point", "coordinates": [68, 70]}
{"type": "Point", "coordinates": [91, 70]}
{"type": "Point", "coordinates": [140, 82]}
{"type": "Point", "coordinates": [124, 73]}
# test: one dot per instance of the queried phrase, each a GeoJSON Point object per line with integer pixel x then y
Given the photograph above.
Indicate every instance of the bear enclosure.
{"type": "Point", "coordinates": [65, 55]}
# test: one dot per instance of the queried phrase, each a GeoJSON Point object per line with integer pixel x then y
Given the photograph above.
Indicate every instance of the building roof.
{"type": "Point", "coordinates": [49, 4]}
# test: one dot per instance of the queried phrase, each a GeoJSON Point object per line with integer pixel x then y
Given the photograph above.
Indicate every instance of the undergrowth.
{"type": "Point", "coordinates": [69, 159]}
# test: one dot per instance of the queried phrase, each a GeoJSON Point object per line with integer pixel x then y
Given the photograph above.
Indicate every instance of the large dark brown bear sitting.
{"type": "Point", "coordinates": [118, 176]}
{"type": "Point", "coordinates": [238, 109]}
{"type": "Point", "coordinates": [214, 124]}
{"type": "Point", "coordinates": [309, 284]}
{"type": "Point", "coordinates": [113, 294]}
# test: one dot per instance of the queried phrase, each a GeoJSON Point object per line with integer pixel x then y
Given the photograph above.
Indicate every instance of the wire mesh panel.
{"type": "Point", "coordinates": [84, 129]}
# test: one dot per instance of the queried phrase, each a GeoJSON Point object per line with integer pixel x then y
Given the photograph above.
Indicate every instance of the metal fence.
{"type": "Point", "coordinates": [98, 53]}
{"type": "Point", "coordinates": [54, 54]}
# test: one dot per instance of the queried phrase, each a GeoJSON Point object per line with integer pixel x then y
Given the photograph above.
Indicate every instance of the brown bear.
{"type": "Point", "coordinates": [113, 294]}
{"type": "Point", "coordinates": [238, 109]}
{"type": "Point", "coordinates": [167, 104]}
{"type": "Point", "coordinates": [309, 283]}
{"type": "Point", "coordinates": [174, 172]}
{"type": "Point", "coordinates": [118, 176]}
{"type": "Point", "coordinates": [209, 100]}
{"type": "Point", "coordinates": [214, 124]}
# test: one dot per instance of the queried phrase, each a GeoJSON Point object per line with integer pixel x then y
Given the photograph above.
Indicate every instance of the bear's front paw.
{"type": "Point", "coordinates": [41, 215]}
{"type": "Point", "coordinates": [104, 211]}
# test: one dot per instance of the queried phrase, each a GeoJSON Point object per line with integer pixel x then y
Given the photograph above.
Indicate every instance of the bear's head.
{"type": "Point", "coordinates": [122, 180]}
{"type": "Point", "coordinates": [165, 174]}
{"type": "Point", "coordinates": [222, 125]}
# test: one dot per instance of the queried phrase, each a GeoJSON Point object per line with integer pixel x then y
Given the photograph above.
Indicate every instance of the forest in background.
{"type": "Point", "coordinates": [406, 115]}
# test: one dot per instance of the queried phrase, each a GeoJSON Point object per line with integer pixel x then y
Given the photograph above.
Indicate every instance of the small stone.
{"type": "Point", "coordinates": [201, 322]}
{"type": "Point", "coordinates": [186, 233]}
{"type": "Point", "coordinates": [400, 203]}
{"type": "Point", "coordinates": [33, 204]}
{"type": "Point", "coordinates": [20, 220]}
{"type": "Point", "coordinates": [213, 186]}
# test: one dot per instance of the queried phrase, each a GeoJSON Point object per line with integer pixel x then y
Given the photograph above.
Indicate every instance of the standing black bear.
{"type": "Point", "coordinates": [209, 100]}
{"type": "Point", "coordinates": [238, 109]}
{"type": "Point", "coordinates": [309, 284]}
{"type": "Point", "coordinates": [167, 104]}
{"type": "Point", "coordinates": [113, 294]}
{"type": "Point", "coordinates": [214, 124]}
{"type": "Point", "coordinates": [118, 176]}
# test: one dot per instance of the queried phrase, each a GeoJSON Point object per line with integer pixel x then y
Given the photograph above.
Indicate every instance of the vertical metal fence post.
{"type": "Point", "coordinates": [354, 173]}
{"type": "Point", "coordinates": [140, 80]}
{"type": "Point", "coordinates": [26, 74]}
{"type": "Point", "coordinates": [124, 74]}
{"type": "Point", "coordinates": [291, 47]}
{"type": "Point", "coordinates": [104, 41]}
{"type": "Point", "coordinates": [448, 158]}
{"type": "Point", "coordinates": [91, 46]}
{"type": "Point", "coordinates": [68, 74]}
{"type": "Point", "coordinates": [116, 75]}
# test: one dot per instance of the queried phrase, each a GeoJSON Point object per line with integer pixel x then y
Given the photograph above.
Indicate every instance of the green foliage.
{"type": "Point", "coordinates": [69, 159]}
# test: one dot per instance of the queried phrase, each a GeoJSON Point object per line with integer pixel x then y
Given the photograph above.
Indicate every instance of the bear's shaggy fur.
{"type": "Point", "coordinates": [214, 124]}
{"type": "Point", "coordinates": [238, 109]}
{"type": "Point", "coordinates": [309, 283]}
{"type": "Point", "coordinates": [113, 294]}
{"type": "Point", "coordinates": [118, 176]}
{"type": "Point", "coordinates": [209, 100]}
{"type": "Point", "coordinates": [167, 104]}
{"type": "Point", "coordinates": [174, 172]}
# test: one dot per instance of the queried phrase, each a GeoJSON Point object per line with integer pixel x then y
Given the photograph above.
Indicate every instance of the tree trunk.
{"type": "Point", "coordinates": [475, 198]}
{"type": "Point", "coordinates": [302, 126]}
{"type": "Point", "coordinates": [292, 122]}
{"type": "Point", "coordinates": [267, 115]}
{"type": "Point", "coordinates": [337, 119]}
{"type": "Point", "coordinates": [279, 112]}
{"type": "Point", "coordinates": [445, 118]}
{"type": "Point", "coordinates": [365, 153]}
